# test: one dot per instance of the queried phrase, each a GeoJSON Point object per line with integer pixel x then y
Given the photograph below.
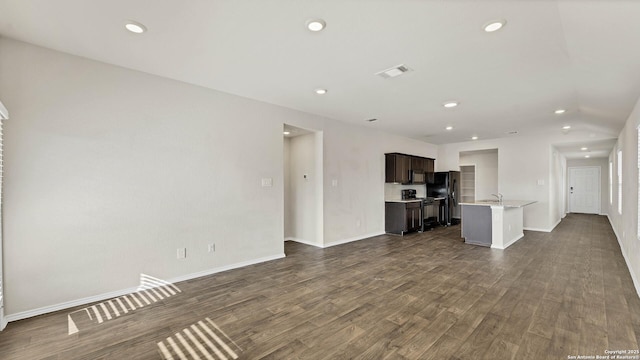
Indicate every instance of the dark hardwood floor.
{"type": "Point", "coordinates": [422, 296]}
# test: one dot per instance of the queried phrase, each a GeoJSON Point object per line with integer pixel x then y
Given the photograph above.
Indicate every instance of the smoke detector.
{"type": "Point", "coordinates": [393, 72]}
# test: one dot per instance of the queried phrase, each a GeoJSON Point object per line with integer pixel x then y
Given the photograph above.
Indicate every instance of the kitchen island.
{"type": "Point", "coordinates": [493, 223]}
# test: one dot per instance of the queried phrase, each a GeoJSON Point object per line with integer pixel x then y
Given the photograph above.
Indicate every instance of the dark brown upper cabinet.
{"type": "Point", "coordinates": [397, 167]}
{"type": "Point", "coordinates": [430, 169]}
{"type": "Point", "coordinates": [400, 168]}
{"type": "Point", "coordinates": [418, 170]}
{"type": "Point", "coordinates": [418, 163]}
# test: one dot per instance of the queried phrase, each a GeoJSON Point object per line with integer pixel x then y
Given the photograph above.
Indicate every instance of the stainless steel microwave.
{"type": "Point", "coordinates": [418, 177]}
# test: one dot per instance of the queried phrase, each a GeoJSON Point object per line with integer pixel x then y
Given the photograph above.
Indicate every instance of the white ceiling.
{"type": "Point", "coordinates": [594, 148]}
{"type": "Point", "coordinates": [580, 55]}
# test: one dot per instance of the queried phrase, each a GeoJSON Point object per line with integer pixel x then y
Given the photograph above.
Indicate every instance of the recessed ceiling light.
{"type": "Point", "coordinates": [316, 25]}
{"type": "Point", "coordinates": [587, 156]}
{"type": "Point", "coordinates": [321, 91]}
{"type": "Point", "coordinates": [286, 133]}
{"type": "Point", "coordinates": [449, 128]}
{"type": "Point", "coordinates": [450, 104]}
{"type": "Point", "coordinates": [135, 27]}
{"type": "Point", "coordinates": [584, 149]}
{"type": "Point", "coordinates": [560, 111]}
{"type": "Point", "coordinates": [495, 25]}
{"type": "Point", "coordinates": [566, 127]}
{"type": "Point", "coordinates": [474, 138]}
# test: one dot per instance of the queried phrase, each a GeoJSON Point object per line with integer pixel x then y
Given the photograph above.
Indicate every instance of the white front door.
{"type": "Point", "coordinates": [584, 190]}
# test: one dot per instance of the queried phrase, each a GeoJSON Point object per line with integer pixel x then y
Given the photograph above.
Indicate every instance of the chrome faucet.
{"type": "Point", "coordinates": [499, 196]}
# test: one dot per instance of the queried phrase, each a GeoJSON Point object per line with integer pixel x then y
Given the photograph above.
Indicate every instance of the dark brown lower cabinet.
{"type": "Point", "coordinates": [401, 218]}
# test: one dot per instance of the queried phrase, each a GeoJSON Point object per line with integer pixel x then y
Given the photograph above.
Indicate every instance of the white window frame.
{"type": "Point", "coordinates": [638, 214]}
{"type": "Point", "coordinates": [619, 165]}
{"type": "Point", "coordinates": [611, 182]}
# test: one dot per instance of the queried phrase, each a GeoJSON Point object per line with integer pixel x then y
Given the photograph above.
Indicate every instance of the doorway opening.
{"type": "Point", "coordinates": [479, 174]}
{"type": "Point", "coordinates": [467, 183]}
{"type": "Point", "coordinates": [303, 185]}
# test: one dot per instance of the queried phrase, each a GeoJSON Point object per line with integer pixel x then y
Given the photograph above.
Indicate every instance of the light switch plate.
{"type": "Point", "coordinates": [334, 182]}
{"type": "Point", "coordinates": [267, 182]}
{"type": "Point", "coordinates": [540, 182]}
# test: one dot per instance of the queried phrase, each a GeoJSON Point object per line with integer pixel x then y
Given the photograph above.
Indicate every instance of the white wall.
{"type": "Point", "coordinates": [486, 175]}
{"type": "Point", "coordinates": [394, 191]}
{"type": "Point", "coordinates": [625, 225]}
{"type": "Point", "coordinates": [603, 164]}
{"type": "Point", "coordinates": [288, 227]}
{"type": "Point", "coordinates": [109, 171]}
{"type": "Point", "coordinates": [303, 210]}
{"type": "Point", "coordinates": [354, 157]}
{"type": "Point", "coordinates": [523, 161]}
{"type": "Point", "coordinates": [558, 186]}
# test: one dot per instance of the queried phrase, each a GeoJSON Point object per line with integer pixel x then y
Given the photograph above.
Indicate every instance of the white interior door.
{"type": "Point", "coordinates": [584, 190]}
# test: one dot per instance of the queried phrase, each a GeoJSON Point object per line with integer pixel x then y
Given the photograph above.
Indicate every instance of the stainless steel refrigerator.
{"type": "Point", "coordinates": [446, 185]}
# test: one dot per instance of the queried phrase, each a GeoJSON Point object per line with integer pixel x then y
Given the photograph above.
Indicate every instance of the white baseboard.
{"type": "Point", "coordinates": [614, 229]}
{"type": "Point", "coordinates": [225, 268]}
{"type": "Point", "coordinates": [114, 294]}
{"type": "Point", "coordinates": [357, 238]}
{"type": "Point", "coordinates": [556, 224]}
{"type": "Point", "coordinates": [511, 242]}
{"type": "Point", "coordinates": [302, 241]}
{"type": "Point", "coordinates": [545, 230]}
{"type": "Point", "coordinates": [537, 229]}
{"type": "Point", "coordinates": [337, 242]}
{"type": "Point", "coordinates": [636, 283]}
{"type": "Point", "coordinates": [3, 319]}
{"type": "Point", "coordinates": [69, 304]}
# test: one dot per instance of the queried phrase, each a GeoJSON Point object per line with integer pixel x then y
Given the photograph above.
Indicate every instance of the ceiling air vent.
{"type": "Point", "coordinates": [394, 71]}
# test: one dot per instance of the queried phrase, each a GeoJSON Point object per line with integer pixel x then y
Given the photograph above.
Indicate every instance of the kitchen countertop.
{"type": "Point", "coordinates": [412, 200]}
{"type": "Point", "coordinates": [505, 203]}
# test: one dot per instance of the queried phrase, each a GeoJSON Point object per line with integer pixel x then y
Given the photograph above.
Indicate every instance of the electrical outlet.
{"type": "Point", "coordinates": [182, 253]}
{"type": "Point", "coordinates": [212, 247]}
